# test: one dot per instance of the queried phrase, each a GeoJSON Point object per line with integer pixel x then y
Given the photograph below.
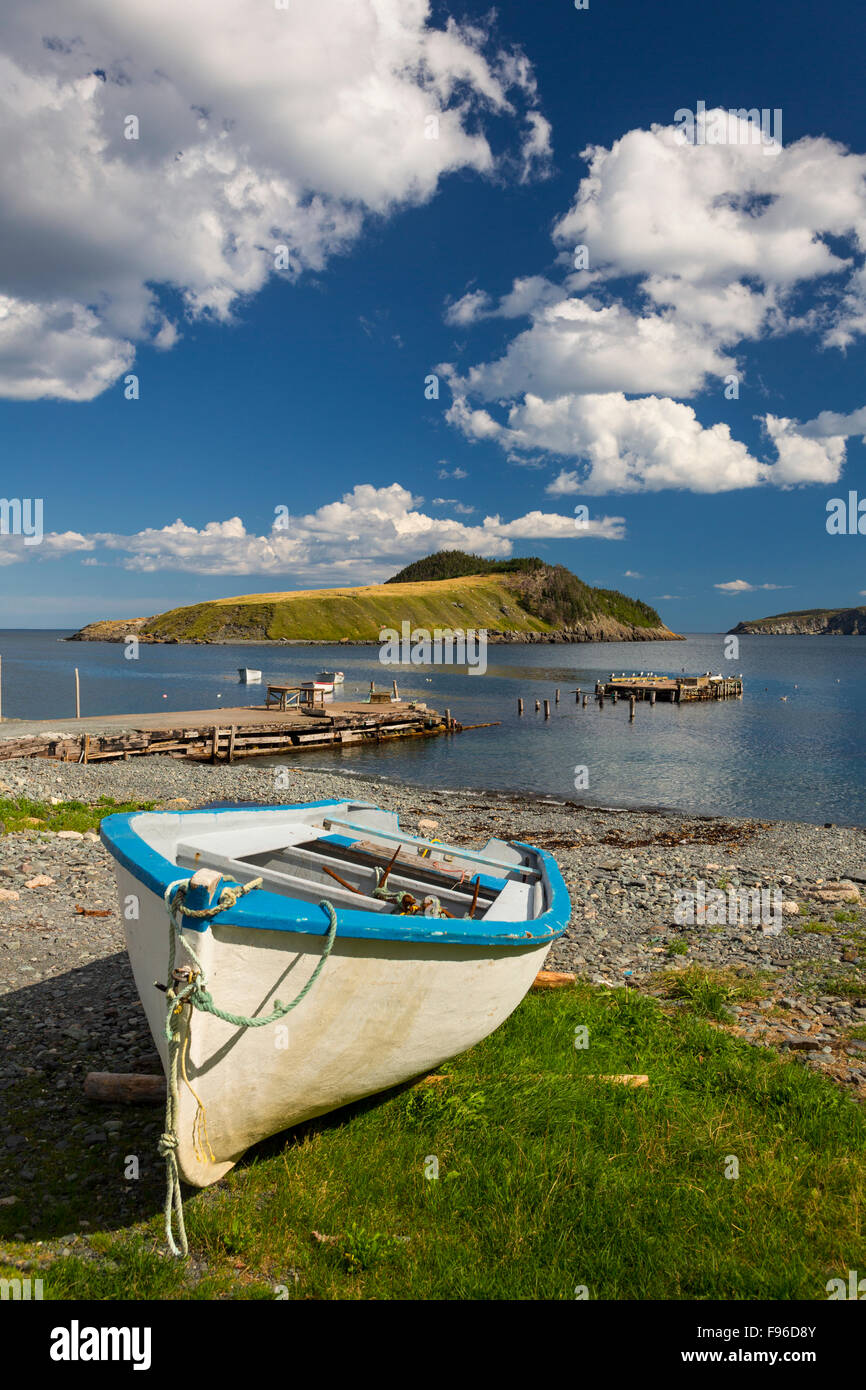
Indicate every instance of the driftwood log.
{"type": "Point", "coordinates": [553, 979]}
{"type": "Point", "coordinates": [127, 1088]}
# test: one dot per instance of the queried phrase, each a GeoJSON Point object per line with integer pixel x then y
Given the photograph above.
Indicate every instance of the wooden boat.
{"type": "Point", "coordinates": [318, 689]}
{"type": "Point", "coordinates": [331, 677]}
{"type": "Point", "coordinates": [403, 988]}
{"type": "Point", "coordinates": [248, 675]}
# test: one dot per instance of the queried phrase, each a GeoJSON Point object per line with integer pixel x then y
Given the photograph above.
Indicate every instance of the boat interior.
{"type": "Point", "coordinates": [345, 855]}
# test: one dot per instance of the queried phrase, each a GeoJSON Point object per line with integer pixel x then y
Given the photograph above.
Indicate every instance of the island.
{"type": "Point", "coordinates": [517, 600]}
{"type": "Point", "coordinates": [808, 622]}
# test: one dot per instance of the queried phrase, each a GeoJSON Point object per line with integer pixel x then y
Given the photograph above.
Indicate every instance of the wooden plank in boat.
{"type": "Point", "coordinates": [423, 869]}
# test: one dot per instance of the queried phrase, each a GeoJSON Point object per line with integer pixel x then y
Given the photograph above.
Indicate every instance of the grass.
{"type": "Point", "coordinates": [547, 1179]}
{"type": "Point", "coordinates": [677, 947]}
{"type": "Point", "coordinates": [490, 601]}
{"type": "Point", "coordinates": [710, 992]}
{"type": "Point", "coordinates": [21, 813]}
{"type": "Point", "coordinates": [476, 601]}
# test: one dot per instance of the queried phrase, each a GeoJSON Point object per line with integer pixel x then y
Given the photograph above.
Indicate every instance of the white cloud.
{"type": "Point", "coordinates": [358, 539]}
{"type": "Point", "coordinates": [632, 574]}
{"type": "Point", "coordinates": [742, 586]}
{"type": "Point", "coordinates": [257, 128]}
{"type": "Point", "coordinates": [574, 347]}
{"type": "Point", "coordinates": [802, 459]}
{"type": "Point", "coordinates": [710, 244]}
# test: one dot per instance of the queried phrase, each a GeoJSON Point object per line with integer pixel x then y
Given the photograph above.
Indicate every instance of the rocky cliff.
{"type": "Point", "coordinates": [829, 622]}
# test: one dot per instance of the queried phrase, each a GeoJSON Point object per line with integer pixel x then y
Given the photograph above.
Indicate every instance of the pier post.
{"type": "Point", "coordinates": [448, 720]}
{"type": "Point", "coordinates": [395, 690]}
{"type": "Point", "coordinates": [519, 706]}
{"type": "Point", "coordinates": [652, 697]}
{"type": "Point", "coordinates": [557, 694]}
{"type": "Point", "coordinates": [547, 709]}
{"type": "Point", "coordinates": [537, 705]}
{"type": "Point", "coordinates": [77, 696]}
{"type": "Point", "coordinates": [614, 697]}
{"type": "Point", "coordinates": [631, 704]}
{"type": "Point", "coordinates": [585, 698]}
{"type": "Point", "coordinates": [577, 696]}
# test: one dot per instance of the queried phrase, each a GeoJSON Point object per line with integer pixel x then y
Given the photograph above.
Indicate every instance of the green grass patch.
{"type": "Point", "coordinates": [677, 948]}
{"type": "Point", "coordinates": [515, 1176]}
{"type": "Point", "coordinates": [710, 992]}
{"type": "Point", "coordinates": [21, 813]}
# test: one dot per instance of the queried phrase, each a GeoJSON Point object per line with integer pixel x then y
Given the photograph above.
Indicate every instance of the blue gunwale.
{"type": "Point", "coordinates": [275, 912]}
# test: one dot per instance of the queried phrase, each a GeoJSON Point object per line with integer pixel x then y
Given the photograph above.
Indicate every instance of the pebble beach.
{"type": "Point", "coordinates": [59, 920]}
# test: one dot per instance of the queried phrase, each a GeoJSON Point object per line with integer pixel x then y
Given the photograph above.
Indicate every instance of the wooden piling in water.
{"type": "Point", "coordinates": [547, 709]}
{"type": "Point", "coordinates": [519, 706]}
{"type": "Point", "coordinates": [537, 705]}
{"type": "Point", "coordinates": [77, 696]}
{"type": "Point", "coordinates": [631, 705]}
{"type": "Point", "coordinates": [557, 694]}
{"type": "Point", "coordinates": [585, 698]}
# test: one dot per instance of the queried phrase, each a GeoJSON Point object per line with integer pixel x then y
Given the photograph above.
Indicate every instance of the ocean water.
{"type": "Point", "coordinates": [801, 758]}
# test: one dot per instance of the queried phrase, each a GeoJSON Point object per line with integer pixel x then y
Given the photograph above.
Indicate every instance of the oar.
{"type": "Point", "coordinates": [475, 895]}
{"type": "Point", "coordinates": [384, 878]}
{"type": "Point", "coordinates": [345, 884]}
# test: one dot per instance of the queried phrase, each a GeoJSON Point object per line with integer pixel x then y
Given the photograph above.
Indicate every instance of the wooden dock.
{"type": "Point", "coordinates": [220, 735]}
{"type": "Point", "coordinates": [646, 685]}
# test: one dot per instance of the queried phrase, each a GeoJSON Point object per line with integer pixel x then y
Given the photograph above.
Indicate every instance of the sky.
{"type": "Point", "coordinates": [293, 294]}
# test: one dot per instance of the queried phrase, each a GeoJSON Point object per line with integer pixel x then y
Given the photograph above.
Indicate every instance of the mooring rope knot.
{"type": "Point", "coordinates": [195, 993]}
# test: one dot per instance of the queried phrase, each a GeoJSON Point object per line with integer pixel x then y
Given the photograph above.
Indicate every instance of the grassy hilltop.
{"type": "Point", "coordinates": [514, 600]}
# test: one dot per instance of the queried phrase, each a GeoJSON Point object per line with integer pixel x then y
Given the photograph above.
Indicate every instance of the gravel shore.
{"type": "Point", "coordinates": [68, 990]}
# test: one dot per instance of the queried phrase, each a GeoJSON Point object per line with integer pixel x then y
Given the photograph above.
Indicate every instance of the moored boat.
{"type": "Point", "coordinates": [429, 948]}
{"type": "Point", "coordinates": [331, 677]}
{"type": "Point", "coordinates": [248, 675]}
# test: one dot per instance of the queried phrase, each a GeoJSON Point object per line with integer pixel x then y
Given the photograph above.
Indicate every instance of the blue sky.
{"type": "Point", "coordinates": [263, 389]}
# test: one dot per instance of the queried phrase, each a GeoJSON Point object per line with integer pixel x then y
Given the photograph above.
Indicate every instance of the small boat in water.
{"type": "Point", "coordinates": [330, 677]}
{"type": "Point", "coordinates": [393, 951]}
{"type": "Point", "coordinates": [248, 675]}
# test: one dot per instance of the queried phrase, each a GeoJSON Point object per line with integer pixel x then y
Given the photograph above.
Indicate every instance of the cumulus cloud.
{"type": "Point", "coordinates": [694, 252]}
{"type": "Point", "coordinates": [257, 128]}
{"type": "Point", "coordinates": [358, 539]}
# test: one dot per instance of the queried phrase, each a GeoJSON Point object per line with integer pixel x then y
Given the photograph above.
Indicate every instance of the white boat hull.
{"type": "Point", "coordinates": [381, 1012]}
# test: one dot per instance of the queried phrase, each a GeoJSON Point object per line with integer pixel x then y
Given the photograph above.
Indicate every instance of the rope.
{"type": "Point", "coordinates": [195, 994]}
{"type": "Point", "coordinates": [429, 906]}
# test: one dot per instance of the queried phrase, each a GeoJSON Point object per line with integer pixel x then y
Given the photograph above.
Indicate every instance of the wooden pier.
{"type": "Point", "coordinates": [221, 735]}
{"type": "Point", "coordinates": [646, 685]}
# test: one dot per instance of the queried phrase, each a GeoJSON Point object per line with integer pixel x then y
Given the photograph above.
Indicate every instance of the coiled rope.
{"type": "Point", "coordinates": [188, 986]}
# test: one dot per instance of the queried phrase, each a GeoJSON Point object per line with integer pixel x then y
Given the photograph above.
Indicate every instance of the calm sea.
{"type": "Point", "coordinates": [801, 758]}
